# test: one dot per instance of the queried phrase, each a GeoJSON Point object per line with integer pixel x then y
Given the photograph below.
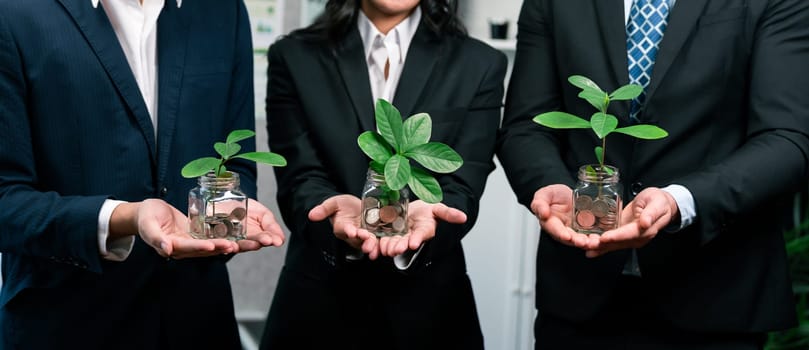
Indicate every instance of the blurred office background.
{"type": "Point", "coordinates": [501, 248]}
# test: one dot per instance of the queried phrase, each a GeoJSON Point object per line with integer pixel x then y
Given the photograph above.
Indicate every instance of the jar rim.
{"type": "Point", "coordinates": [595, 173]}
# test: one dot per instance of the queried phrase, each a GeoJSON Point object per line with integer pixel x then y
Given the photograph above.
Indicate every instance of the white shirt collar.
{"type": "Point", "coordinates": [95, 3]}
{"type": "Point", "coordinates": [403, 33]}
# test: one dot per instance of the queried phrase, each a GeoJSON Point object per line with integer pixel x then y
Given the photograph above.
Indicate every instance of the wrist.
{"type": "Point", "coordinates": [124, 220]}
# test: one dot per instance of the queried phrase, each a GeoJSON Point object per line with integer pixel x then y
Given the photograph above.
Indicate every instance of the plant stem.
{"type": "Point", "coordinates": [603, 151]}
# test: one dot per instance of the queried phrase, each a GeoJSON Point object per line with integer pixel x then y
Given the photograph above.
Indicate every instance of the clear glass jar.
{"type": "Point", "coordinates": [217, 208]}
{"type": "Point", "coordinates": [597, 200]}
{"type": "Point", "coordinates": [384, 211]}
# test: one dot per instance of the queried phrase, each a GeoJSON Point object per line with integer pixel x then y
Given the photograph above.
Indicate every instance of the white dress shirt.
{"type": "Point", "coordinates": [683, 197]}
{"type": "Point", "coordinates": [396, 43]}
{"type": "Point", "coordinates": [135, 26]}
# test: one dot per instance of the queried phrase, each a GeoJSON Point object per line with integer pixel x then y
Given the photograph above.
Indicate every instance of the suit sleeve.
{"type": "Point", "coordinates": [476, 144]}
{"type": "Point", "coordinates": [304, 182]}
{"type": "Point", "coordinates": [534, 89]}
{"type": "Point", "coordinates": [777, 126]}
{"type": "Point", "coordinates": [34, 222]}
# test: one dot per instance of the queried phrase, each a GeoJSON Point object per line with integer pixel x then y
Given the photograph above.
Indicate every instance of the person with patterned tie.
{"type": "Point", "coordinates": [698, 260]}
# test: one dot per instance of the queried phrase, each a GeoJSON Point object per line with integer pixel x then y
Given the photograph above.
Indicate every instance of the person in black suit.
{"type": "Point", "coordinates": [702, 222]}
{"type": "Point", "coordinates": [323, 81]}
{"type": "Point", "coordinates": [90, 114]}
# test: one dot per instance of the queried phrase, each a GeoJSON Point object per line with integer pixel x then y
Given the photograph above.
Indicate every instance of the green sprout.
{"type": "Point", "coordinates": [229, 150]}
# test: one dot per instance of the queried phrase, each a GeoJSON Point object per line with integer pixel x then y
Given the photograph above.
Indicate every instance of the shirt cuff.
{"type": "Point", "coordinates": [685, 205]}
{"type": "Point", "coordinates": [407, 258]}
{"type": "Point", "coordinates": [115, 249]}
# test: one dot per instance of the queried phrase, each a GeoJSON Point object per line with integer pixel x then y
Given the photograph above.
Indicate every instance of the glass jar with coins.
{"type": "Point", "coordinates": [384, 211]}
{"type": "Point", "coordinates": [217, 208]}
{"type": "Point", "coordinates": [597, 200]}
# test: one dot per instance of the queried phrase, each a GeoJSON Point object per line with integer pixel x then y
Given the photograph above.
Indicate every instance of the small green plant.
{"type": "Point", "coordinates": [601, 122]}
{"type": "Point", "coordinates": [228, 150]}
{"type": "Point", "coordinates": [398, 142]}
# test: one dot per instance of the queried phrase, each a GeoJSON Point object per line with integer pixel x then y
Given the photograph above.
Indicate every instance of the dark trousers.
{"type": "Point", "coordinates": [627, 323]}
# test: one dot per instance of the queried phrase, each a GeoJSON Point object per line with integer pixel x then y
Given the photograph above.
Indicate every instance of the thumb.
{"type": "Point", "coordinates": [151, 232]}
{"type": "Point", "coordinates": [450, 215]}
{"type": "Point", "coordinates": [323, 210]}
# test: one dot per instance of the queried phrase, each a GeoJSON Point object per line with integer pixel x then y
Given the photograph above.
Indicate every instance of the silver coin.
{"type": "Point", "coordinates": [399, 225]}
{"type": "Point", "coordinates": [370, 202]}
{"type": "Point", "coordinates": [372, 216]}
{"type": "Point", "coordinates": [584, 202]}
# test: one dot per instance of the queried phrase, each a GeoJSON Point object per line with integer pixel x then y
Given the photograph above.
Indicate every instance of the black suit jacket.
{"type": "Point", "coordinates": [74, 131]}
{"type": "Point", "coordinates": [729, 85]}
{"type": "Point", "coordinates": [318, 102]}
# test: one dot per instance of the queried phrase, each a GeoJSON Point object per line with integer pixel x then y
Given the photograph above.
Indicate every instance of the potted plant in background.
{"type": "Point", "coordinates": [597, 196]}
{"type": "Point", "coordinates": [216, 207]}
{"type": "Point", "coordinates": [797, 245]}
{"type": "Point", "coordinates": [385, 196]}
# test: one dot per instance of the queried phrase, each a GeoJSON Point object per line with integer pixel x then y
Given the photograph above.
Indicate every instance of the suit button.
{"type": "Point", "coordinates": [636, 188]}
{"type": "Point", "coordinates": [163, 191]}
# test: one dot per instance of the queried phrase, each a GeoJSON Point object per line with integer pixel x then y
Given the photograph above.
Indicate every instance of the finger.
{"type": "Point", "coordinates": [383, 245]}
{"type": "Point", "coordinates": [540, 207]}
{"type": "Point", "coordinates": [624, 232]}
{"type": "Point", "coordinates": [393, 246]}
{"type": "Point", "coordinates": [349, 229]}
{"type": "Point", "coordinates": [652, 213]}
{"type": "Point", "coordinates": [323, 210]}
{"type": "Point", "coordinates": [558, 230]}
{"type": "Point", "coordinates": [248, 245]}
{"type": "Point", "coordinates": [417, 237]}
{"type": "Point", "coordinates": [189, 247]}
{"type": "Point", "coordinates": [369, 244]}
{"type": "Point", "coordinates": [401, 246]}
{"type": "Point", "coordinates": [450, 215]}
{"type": "Point", "coordinates": [270, 224]}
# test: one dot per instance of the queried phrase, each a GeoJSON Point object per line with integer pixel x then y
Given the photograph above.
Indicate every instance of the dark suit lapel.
{"type": "Point", "coordinates": [682, 19]}
{"type": "Point", "coordinates": [172, 32]}
{"type": "Point", "coordinates": [424, 52]}
{"type": "Point", "coordinates": [98, 31]}
{"type": "Point", "coordinates": [351, 63]}
{"type": "Point", "coordinates": [610, 14]}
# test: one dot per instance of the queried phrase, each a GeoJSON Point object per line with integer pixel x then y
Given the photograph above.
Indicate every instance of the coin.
{"type": "Point", "coordinates": [370, 202]}
{"type": "Point", "coordinates": [221, 229]}
{"type": "Point", "coordinates": [584, 202]}
{"type": "Point", "coordinates": [600, 208]}
{"type": "Point", "coordinates": [372, 216]}
{"type": "Point", "coordinates": [388, 214]}
{"type": "Point", "coordinates": [238, 214]}
{"type": "Point", "coordinates": [585, 219]}
{"type": "Point", "coordinates": [399, 225]}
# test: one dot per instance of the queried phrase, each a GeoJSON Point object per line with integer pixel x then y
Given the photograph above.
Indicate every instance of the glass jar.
{"type": "Point", "coordinates": [384, 211]}
{"type": "Point", "coordinates": [217, 208]}
{"type": "Point", "coordinates": [597, 200]}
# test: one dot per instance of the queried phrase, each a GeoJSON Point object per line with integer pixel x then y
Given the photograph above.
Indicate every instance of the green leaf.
{"type": "Point", "coordinates": [264, 157]}
{"type": "Point", "coordinates": [425, 186]}
{"type": "Point", "coordinates": [643, 131]}
{"type": "Point", "coordinates": [374, 146]}
{"type": "Point", "coordinates": [585, 83]}
{"type": "Point", "coordinates": [199, 167]}
{"type": "Point", "coordinates": [397, 172]}
{"type": "Point", "coordinates": [561, 120]}
{"type": "Point", "coordinates": [608, 170]}
{"type": "Point", "coordinates": [389, 122]}
{"type": "Point", "coordinates": [238, 135]}
{"type": "Point", "coordinates": [590, 170]}
{"type": "Point", "coordinates": [626, 92]}
{"type": "Point", "coordinates": [378, 167]}
{"type": "Point", "coordinates": [436, 156]}
{"type": "Point", "coordinates": [597, 99]}
{"type": "Point", "coordinates": [600, 155]}
{"type": "Point", "coordinates": [417, 130]}
{"type": "Point", "coordinates": [603, 124]}
{"type": "Point", "coordinates": [227, 150]}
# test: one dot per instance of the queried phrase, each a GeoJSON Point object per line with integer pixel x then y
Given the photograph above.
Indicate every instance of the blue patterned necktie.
{"type": "Point", "coordinates": [647, 23]}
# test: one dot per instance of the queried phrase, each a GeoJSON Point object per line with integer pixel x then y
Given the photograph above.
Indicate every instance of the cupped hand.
{"type": "Point", "coordinates": [165, 229]}
{"type": "Point", "coordinates": [652, 210]}
{"type": "Point", "coordinates": [553, 206]}
{"type": "Point", "coordinates": [344, 212]}
{"type": "Point", "coordinates": [422, 220]}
